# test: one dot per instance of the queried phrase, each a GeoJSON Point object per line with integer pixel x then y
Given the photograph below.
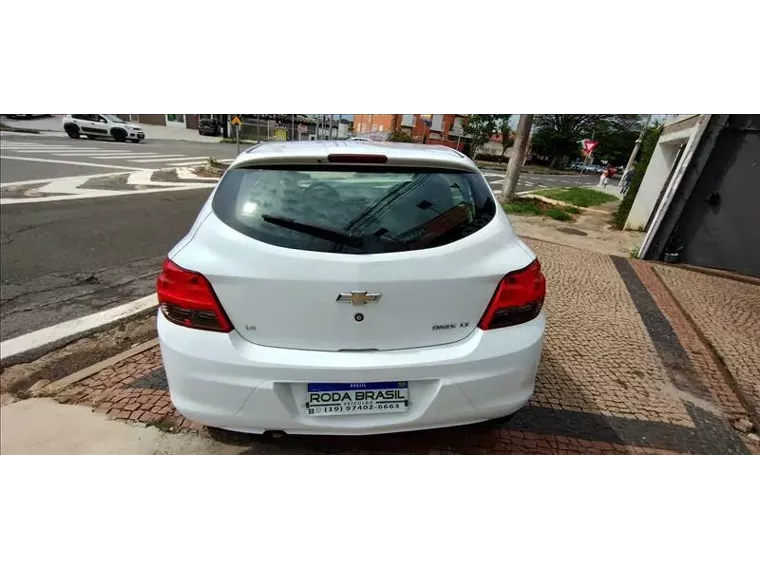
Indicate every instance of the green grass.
{"type": "Point", "coordinates": [558, 214]}
{"type": "Point", "coordinates": [580, 197]}
{"type": "Point", "coordinates": [533, 207]}
{"type": "Point", "coordinates": [523, 207]}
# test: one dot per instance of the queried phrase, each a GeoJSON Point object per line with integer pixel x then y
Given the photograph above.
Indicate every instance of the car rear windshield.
{"type": "Point", "coordinates": [354, 210]}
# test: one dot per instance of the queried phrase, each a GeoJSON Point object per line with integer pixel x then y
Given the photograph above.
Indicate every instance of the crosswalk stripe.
{"type": "Point", "coordinates": [163, 158]}
{"type": "Point", "coordinates": [36, 146]}
{"type": "Point", "coordinates": [198, 163]}
{"type": "Point", "coordinates": [94, 154]}
{"type": "Point", "coordinates": [129, 155]}
{"type": "Point", "coordinates": [62, 149]}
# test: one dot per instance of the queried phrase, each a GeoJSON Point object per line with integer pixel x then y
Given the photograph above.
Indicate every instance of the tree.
{"type": "Point", "coordinates": [506, 135]}
{"type": "Point", "coordinates": [481, 128]}
{"type": "Point", "coordinates": [516, 162]}
{"type": "Point", "coordinates": [400, 136]}
{"type": "Point", "coordinates": [648, 145]}
{"type": "Point", "coordinates": [558, 136]}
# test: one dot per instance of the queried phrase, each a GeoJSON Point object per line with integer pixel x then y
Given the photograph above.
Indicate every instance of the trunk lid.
{"type": "Point", "coordinates": [283, 288]}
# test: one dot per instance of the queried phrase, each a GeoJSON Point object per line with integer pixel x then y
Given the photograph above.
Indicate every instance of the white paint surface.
{"type": "Point", "coordinates": [112, 167]}
{"type": "Point", "coordinates": [163, 158]}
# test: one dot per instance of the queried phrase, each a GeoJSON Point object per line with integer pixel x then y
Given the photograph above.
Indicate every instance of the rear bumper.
{"type": "Point", "coordinates": [221, 380]}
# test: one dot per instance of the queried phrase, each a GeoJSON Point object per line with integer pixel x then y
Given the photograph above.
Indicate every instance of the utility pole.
{"type": "Point", "coordinates": [636, 147]}
{"type": "Point", "coordinates": [518, 155]}
{"type": "Point", "coordinates": [292, 127]}
{"type": "Point", "coordinates": [329, 133]}
{"type": "Point", "coordinates": [258, 131]}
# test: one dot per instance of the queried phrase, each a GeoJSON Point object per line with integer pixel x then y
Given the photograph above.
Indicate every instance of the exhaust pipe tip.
{"type": "Point", "coordinates": [274, 434]}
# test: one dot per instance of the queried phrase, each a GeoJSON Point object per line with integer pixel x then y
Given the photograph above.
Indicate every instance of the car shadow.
{"type": "Point", "coordinates": [532, 430]}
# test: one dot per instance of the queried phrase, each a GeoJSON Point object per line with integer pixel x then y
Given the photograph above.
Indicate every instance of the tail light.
{"type": "Point", "coordinates": [518, 298]}
{"type": "Point", "coordinates": [358, 158]}
{"type": "Point", "coordinates": [187, 299]}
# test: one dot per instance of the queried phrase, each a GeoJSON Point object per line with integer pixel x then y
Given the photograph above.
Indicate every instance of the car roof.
{"type": "Point", "coordinates": [316, 152]}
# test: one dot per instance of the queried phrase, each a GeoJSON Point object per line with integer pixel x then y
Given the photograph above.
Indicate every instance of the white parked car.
{"type": "Point", "coordinates": [102, 126]}
{"type": "Point", "coordinates": [350, 288]}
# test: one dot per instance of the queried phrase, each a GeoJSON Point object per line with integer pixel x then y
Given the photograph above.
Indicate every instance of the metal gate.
{"type": "Point", "coordinates": [720, 224]}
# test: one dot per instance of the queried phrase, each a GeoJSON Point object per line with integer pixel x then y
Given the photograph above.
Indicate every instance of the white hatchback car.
{"type": "Point", "coordinates": [350, 288]}
{"type": "Point", "coordinates": [102, 126]}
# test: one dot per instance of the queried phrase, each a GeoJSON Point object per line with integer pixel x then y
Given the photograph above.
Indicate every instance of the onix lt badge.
{"type": "Point", "coordinates": [358, 297]}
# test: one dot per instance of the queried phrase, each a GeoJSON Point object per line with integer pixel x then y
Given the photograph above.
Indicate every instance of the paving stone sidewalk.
{"type": "Point", "coordinates": [727, 313]}
{"type": "Point", "coordinates": [623, 372]}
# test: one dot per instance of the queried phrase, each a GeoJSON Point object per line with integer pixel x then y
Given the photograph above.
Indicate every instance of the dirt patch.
{"type": "Point", "coordinates": [166, 176]}
{"type": "Point", "coordinates": [24, 191]}
{"type": "Point", "coordinates": [208, 173]}
{"type": "Point", "coordinates": [571, 231]}
{"type": "Point", "coordinates": [591, 231]}
{"type": "Point", "coordinates": [118, 182]}
{"type": "Point", "coordinates": [16, 380]}
{"type": "Point", "coordinates": [23, 187]}
{"type": "Point", "coordinates": [532, 206]}
{"type": "Point", "coordinates": [213, 169]}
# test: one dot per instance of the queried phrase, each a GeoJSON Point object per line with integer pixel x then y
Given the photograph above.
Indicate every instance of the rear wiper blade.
{"type": "Point", "coordinates": [334, 235]}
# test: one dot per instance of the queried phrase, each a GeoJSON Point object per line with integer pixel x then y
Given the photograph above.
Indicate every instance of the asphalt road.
{"type": "Point", "coordinates": [28, 158]}
{"type": "Point", "coordinates": [66, 259]}
{"type": "Point", "coordinates": [532, 182]}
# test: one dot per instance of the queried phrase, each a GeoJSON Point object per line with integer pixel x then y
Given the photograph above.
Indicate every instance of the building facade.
{"type": "Point", "coordinates": [442, 129]}
{"type": "Point", "coordinates": [179, 121]}
{"type": "Point", "coordinates": [699, 199]}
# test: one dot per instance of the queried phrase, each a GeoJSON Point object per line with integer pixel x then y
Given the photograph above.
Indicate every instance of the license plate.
{"type": "Point", "coordinates": [324, 399]}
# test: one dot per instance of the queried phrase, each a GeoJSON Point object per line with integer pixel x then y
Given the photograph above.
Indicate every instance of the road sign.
{"type": "Point", "coordinates": [236, 120]}
{"type": "Point", "coordinates": [590, 145]}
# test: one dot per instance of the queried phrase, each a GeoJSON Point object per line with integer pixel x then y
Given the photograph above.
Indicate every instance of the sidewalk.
{"type": "Point", "coordinates": [52, 126]}
{"type": "Point", "coordinates": [42, 426]}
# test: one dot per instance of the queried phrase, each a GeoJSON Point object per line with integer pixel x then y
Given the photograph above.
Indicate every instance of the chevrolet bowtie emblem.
{"type": "Point", "coordinates": [358, 297]}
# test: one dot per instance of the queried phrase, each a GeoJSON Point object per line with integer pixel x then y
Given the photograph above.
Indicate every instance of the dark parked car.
{"type": "Point", "coordinates": [209, 127]}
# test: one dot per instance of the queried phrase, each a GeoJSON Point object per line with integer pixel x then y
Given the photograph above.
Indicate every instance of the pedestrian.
{"type": "Point", "coordinates": [605, 177]}
{"type": "Point", "coordinates": [625, 183]}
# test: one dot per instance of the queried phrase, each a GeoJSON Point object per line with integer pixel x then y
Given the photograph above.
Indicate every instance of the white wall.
{"type": "Point", "coordinates": [660, 165]}
{"type": "Point", "coordinates": [699, 123]}
{"type": "Point", "coordinates": [654, 180]}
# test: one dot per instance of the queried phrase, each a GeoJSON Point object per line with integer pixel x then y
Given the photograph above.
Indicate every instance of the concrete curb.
{"type": "Point", "coordinates": [76, 377]}
{"type": "Point", "coordinates": [712, 272]}
{"type": "Point", "coordinates": [21, 130]}
{"type": "Point", "coordinates": [34, 345]}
